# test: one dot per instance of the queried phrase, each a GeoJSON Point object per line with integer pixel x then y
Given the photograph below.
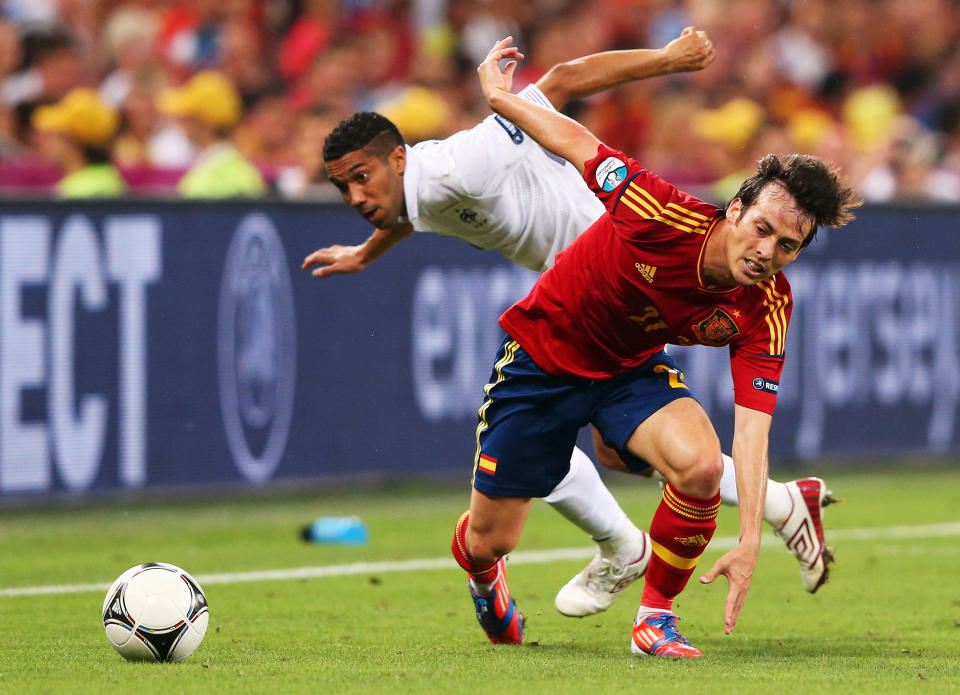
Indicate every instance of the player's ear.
{"type": "Point", "coordinates": [734, 209]}
{"type": "Point", "coordinates": [398, 159]}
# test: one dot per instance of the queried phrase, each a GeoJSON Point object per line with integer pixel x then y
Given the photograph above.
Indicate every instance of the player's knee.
{"type": "Point", "coordinates": [699, 475]}
{"type": "Point", "coordinates": [485, 545]}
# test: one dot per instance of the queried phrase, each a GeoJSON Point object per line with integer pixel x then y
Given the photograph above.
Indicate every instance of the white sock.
{"type": "Point", "coordinates": [728, 482]}
{"type": "Point", "coordinates": [482, 588]}
{"type": "Point", "coordinates": [582, 498]}
{"type": "Point", "coordinates": [644, 611]}
{"type": "Point", "coordinates": [777, 504]}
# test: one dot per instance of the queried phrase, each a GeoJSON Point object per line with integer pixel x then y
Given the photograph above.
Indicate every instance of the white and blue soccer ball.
{"type": "Point", "coordinates": [155, 612]}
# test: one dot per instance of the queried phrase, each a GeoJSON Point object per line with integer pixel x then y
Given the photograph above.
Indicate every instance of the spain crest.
{"type": "Point", "coordinates": [716, 329]}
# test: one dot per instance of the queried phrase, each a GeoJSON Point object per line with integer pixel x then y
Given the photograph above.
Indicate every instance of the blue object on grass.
{"type": "Point", "coordinates": [341, 530]}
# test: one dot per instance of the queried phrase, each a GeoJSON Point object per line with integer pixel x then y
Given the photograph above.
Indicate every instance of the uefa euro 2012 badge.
{"type": "Point", "coordinates": [611, 173]}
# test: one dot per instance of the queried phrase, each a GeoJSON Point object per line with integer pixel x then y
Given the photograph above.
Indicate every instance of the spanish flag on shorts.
{"type": "Point", "coordinates": [487, 464]}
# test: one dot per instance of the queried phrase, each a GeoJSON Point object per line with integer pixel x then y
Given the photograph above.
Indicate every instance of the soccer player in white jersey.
{"type": "Point", "coordinates": [496, 188]}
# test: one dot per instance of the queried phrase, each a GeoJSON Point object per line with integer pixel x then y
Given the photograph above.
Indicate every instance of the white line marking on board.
{"type": "Point", "coordinates": [525, 557]}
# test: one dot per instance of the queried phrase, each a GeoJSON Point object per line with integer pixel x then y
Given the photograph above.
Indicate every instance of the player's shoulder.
{"type": "Point", "coordinates": [613, 172]}
{"type": "Point", "coordinates": [772, 296]}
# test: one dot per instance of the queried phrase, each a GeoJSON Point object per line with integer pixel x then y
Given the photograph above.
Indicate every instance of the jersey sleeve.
{"type": "Point", "coordinates": [635, 196]}
{"type": "Point", "coordinates": [483, 152]}
{"type": "Point", "coordinates": [756, 362]}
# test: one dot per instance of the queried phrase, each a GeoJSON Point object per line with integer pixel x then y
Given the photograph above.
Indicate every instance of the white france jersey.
{"type": "Point", "coordinates": [494, 187]}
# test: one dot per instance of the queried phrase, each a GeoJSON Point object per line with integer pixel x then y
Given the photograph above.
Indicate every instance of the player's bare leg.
{"type": "Point", "coordinates": [483, 535]}
{"type": "Point", "coordinates": [680, 442]}
{"type": "Point", "coordinates": [623, 550]}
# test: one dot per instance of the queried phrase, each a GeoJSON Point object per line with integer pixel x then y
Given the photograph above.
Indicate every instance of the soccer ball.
{"type": "Point", "coordinates": [155, 612]}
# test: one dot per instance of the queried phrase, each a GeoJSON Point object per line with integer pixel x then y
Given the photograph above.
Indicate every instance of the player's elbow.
{"type": "Point", "coordinates": [557, 85]}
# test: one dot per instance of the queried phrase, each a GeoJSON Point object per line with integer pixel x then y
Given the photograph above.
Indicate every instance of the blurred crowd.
{"type": "Point", "coordinates": [219, 98]}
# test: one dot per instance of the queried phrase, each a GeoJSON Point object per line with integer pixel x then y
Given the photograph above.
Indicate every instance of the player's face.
{"type": "Point", "coordinates": [372, 185]}
{"type": "Point", "coordinates": [764, 237]}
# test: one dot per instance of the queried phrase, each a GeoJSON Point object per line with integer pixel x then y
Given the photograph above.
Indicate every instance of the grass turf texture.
{"type": "Point", "coordinates": [888, 621]}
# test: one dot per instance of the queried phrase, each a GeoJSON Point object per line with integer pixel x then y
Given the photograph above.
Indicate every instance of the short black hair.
{"type": "Point", "coordinates": [815, 185]}
{"type": "Point", "coordinates": [357, 132]}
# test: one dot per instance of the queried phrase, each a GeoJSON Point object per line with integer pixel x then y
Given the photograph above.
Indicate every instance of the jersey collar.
{"type": "Point", "coordinates": [703, 246]}
{"type": "Point", "coordinates": [411, 183]}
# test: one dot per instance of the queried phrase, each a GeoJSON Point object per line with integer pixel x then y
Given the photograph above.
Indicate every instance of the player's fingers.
{"type": "Point", "coordinates": [511, 52]}
{"type": "Point", "coordinates": [732, 608]}
{"type": "Point", "coordinates": [712, 574]}
{"type": "Point", "coordinates": [686, 31]}
{"type": "Point", "coordinates": [496, 55]}
{"type": "Point", "coordinates": [501, 44]}
{"type": "Point", "coordinates": [509, 70]}
{"type": "Point", "coordinates": [318, 257]}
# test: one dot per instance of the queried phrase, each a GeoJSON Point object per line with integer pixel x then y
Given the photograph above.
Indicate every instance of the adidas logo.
{"type": "Point", "coordinates": [692, 540]}
{"type": "Point", "coordinates": [647, 271]}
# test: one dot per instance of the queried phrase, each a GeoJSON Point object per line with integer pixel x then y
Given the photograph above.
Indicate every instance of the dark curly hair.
{"type": "Point", "coordinates": [815, 185]}
{"type": "Point", "coordinates": [359, 132]}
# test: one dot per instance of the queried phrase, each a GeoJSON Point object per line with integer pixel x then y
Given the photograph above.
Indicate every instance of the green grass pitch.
{"type": "Point", "coordinates": [888, 620]}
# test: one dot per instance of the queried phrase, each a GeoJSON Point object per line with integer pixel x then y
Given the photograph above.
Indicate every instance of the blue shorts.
{"type": "Point", "coordinates": [530, 419]}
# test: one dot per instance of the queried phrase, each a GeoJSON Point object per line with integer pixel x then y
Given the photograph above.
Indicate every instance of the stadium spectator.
{"type": "Point", "coordinates": [76, 134]}
{"type": "Point", "coordinates": [52, 65]}
{"type": "Point", "coordinates": [307, 178]}
{"type": "Point", "coordinates": [208, 107]}
{"type": "Point", "coordinates": [129, 42]}
{"type": "Point", "coordinates": [241, 57]}
{"type": "Point", "coordinates": [331, 80]}
{"type": "Point", "coordinates": [788, 56]}
{"type": "Point", "coordinates": [307, 38]}
{"type": "Point", "coordinates": [264, 135]}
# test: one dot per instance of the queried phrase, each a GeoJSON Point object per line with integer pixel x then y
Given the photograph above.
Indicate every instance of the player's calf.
{"type": "Point", "coordinates": [496, 611]}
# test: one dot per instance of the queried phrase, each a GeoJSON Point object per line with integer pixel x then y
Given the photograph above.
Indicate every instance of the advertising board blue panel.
{"type": "Point", "coordinates": [181, 344]}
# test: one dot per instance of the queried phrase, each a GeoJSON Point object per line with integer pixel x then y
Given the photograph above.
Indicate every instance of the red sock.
{"type": "Point", "coordinates": [681, 528]}
{"type": "Point", "coordinates": [483, 574]}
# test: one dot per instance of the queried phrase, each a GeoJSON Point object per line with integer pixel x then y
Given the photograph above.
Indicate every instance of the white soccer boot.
{"type": "Point", "coordinates": [803, 530]}
{"type": "Point", "coordinates": [612, 570]}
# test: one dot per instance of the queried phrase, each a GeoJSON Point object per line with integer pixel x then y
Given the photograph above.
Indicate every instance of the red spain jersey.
{"type": "Point", "coordinates": [632, 283]}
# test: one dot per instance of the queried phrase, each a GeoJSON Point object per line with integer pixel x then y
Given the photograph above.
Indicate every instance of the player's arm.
{"type": "Point", "coordinates": [750, 440]}
{"type": "Point", "coordinates": [692, 50]}
{"type": "Point", "coordinates": [552, 130]}
{"type": "Point", "coordinates": [351, 259]}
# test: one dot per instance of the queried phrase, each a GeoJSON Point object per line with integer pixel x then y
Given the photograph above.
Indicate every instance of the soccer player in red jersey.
{"type": "Point", "coordinates": [587, 345]}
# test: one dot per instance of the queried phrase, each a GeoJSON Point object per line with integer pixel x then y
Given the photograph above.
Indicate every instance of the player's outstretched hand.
{"type": "Point", "coordinates": [335, 259]}
{"type": "Point", "coordinates": [692, 50]}
{"type": "Point", "coordinates": [491, 79]}
{"type": "Point", "coordinates": [737, 566]}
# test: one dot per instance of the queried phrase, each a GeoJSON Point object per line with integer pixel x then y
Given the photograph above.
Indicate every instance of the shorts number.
{"type": "Point", "coordinates": [674, 376]}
